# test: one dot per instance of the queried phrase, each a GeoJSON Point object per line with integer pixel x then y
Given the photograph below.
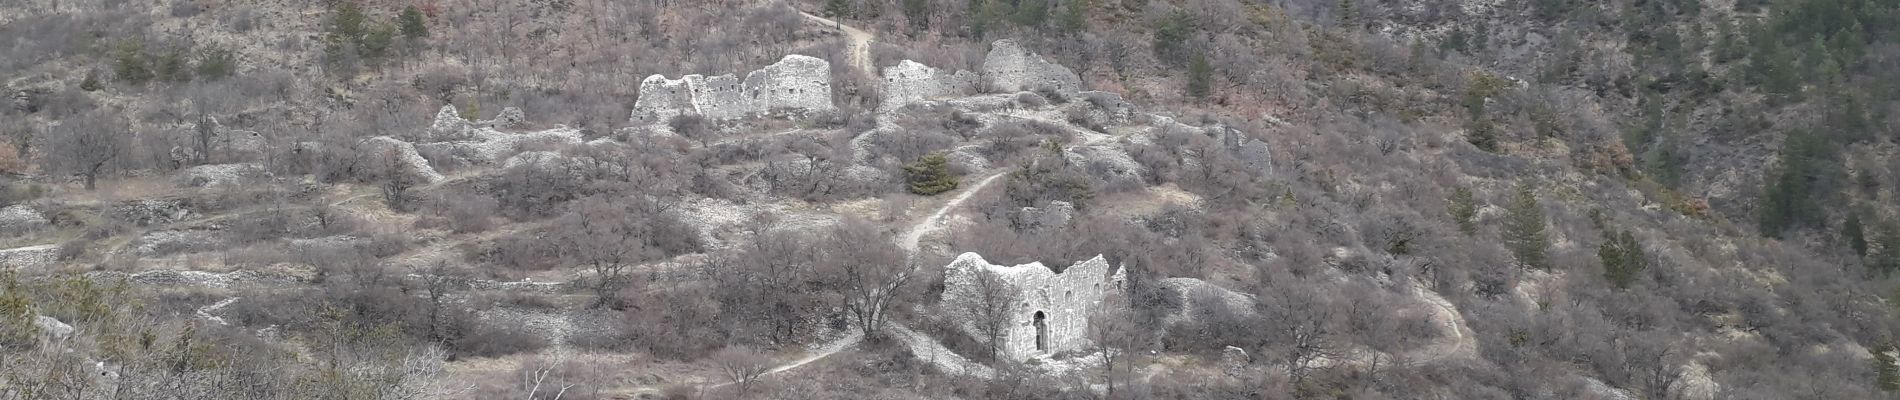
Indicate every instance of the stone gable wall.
{"type": "Point", "coordinates": [1011, 68]}
{"type": "Point", "coordinates": [1066, 300]}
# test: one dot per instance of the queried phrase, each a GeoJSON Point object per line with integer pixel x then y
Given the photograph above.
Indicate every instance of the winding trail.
{"type": "Point", "coordinates": [934, 222]}
{"type": "Point", "coordinates": [857, 42]}
{"type": "Point", "coordinates": [1458, 344]}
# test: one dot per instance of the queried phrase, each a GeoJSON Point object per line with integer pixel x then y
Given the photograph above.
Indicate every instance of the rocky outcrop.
{"type": "Point", "coordinates": [407, 162]}
{"type": "Point", "coordinates": [52, 329]}
{"type": "Point", "coordinates": [490, 147]}
{"type": "Point", "coordinates": [166, 242]}
{"type": "Point", "coordinates": [1108, 162]}
{"type": "Point", "coordinates": [1011, 68]}
{"type": "Point", "coordinates": [20, 218]}
{"type": "Point", "coordinates": [1051, 310]}
{"type": "Point", "coordinates": [147, 212]}
{"type": "Point", "coordinates": [1194, 295]}
{"type": "Point", "coordinates": [448, 125]}
{"type": "Point", "coordinates": [796, 84]}
{"type": "Point", "coordinates": [222, 175]}
{"type": "Point", "coordinates": [1044, 219]}
{"type": "Point", "coordinates": [510, 117]}
{"type": "Point", "coordinates": [29, 257]}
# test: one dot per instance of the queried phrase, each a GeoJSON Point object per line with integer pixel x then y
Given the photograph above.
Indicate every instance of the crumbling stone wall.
{"type": "Point", "coordinates": [911, 82]}
{"type": "Point", "coordinates": [1011, 68]}
{"type": "Point", "coordinates": [1065, 301]}
{"type": "Point", "coordinates": [795, 83]}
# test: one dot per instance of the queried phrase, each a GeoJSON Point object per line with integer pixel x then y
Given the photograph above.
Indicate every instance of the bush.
{"type": "Point", "coordinates": [129, 63]}
{"type": "Point", "coordinates": [216, 63]}
{"type": "Point", "coordinates": [486, 339]}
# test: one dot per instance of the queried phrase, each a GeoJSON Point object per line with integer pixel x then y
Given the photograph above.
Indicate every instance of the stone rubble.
{"type": "Point", "coordinates": [19, 218]}
{"type": "Point", "coordinates": [222, 175]}
{"type": "Point", "coordinates": [29, 256]}
{"type": "Point", "coordinates": [408, 160]}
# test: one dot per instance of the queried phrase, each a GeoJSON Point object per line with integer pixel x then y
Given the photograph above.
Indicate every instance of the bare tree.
{"type": "Point", "coordinates": [438, 281]}
{"type": "Point", "coordinates": [743, 366]}
{"type": "Point", "coordinates": [1116, 336]}
{"type": "Point", "coordinates": [87, 145]}
{"type": "Point", "coordinates": [994, 308]}
{"type": "Point", "coordinates": [1305, 322]}
{"type": "Point", "coordinates": [607, 238]}
{"type": "Point", "coordinates": [867, 269]}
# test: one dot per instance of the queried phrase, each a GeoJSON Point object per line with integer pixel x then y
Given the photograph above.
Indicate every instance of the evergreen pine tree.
{"type": "Point", "coordinates": [917, 12]}
{"type": "Point", "coordinates": [1075, 16]}
{"type": "Point", "coordinates": [930, 175]}
{"type": "Point", "coordinates": [1524, 228]}
{"type": "Point", "coordinates": [412, 24]}
{"type": "Point", "coordinates": [1463, 208]}
{"type": "Point", "coordinates": [1886, 374]}
{"type": "Point", "coordinates": [1200, 77]}
{"type": "Point", "coordinates": [838, 9]}
{"type": "Point", "coordinates": [1854, 234]}
{"type": "Point", "coordinates": [1623, 258]}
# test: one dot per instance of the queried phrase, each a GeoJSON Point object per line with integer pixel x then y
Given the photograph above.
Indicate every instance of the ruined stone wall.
{"type": "Point", "coordinates": [1065, 299]}
{"type": "Point", "coordinates": [663, 98]}
{"type": "Point", "coordinates": [911, 82]}
{"type": "Point", "coordinates": [798, 83]}
{"type": "Point", "coordinates": [1011, 68]}
{"type": "Point", "coordinates": [795, 83]}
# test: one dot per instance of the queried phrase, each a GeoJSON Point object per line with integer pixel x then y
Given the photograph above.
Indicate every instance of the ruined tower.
{"type": "Point", "coordinates": [1050, 311]}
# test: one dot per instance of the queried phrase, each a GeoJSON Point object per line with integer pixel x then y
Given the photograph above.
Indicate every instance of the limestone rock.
{"type": "Point", "coordinates": [166, 242]}
{"type": "Point", "coordinates": [448, 125]}
{"type": "Point", "coordinates": [215, 175]}
{"type": "Point", "coordinates": [29, 257]}
{"type": "Point", "coordinates": [1051, 309]}
{"type": "Point", "coordinates": [146, 212]}
{"type": "Point", "coordinates": [1195, 294]}
{"type": "Point", "coordinates": [1108, 162]}
{"type": "Point", "coordinates": [410, 162]}
{"type": "Point", "coordinates": [1042, 219]}
{"type": "Point", "coordinates": [1011, 68]}
{"type": "Point", "coordinates": [52, 329]}
{"type": "Point", "coordinates": [174, 278]}
{"type": "Point", "coordinates": [1235, 359]}
{"type": "Point", "coordinates": [795, 83]}
{"type": "Point", "coordinates": [1115, 110]}
{"type": "Point", "coordinates": [20, 217]}
{"type": "Point", "coordinates": [510, 117]}
{"type": "Point", "coordinates": [490, 147]}
{"type": "Point", "coordinates": [968, 158]}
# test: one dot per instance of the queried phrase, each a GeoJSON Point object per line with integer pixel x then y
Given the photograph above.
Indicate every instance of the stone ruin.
{"type": "Point", "coordinates": [1051, 311]}
{"type": "Point", "coordinates": [1008, 68]}
{"type": "Point", "coordinates": [795, 83]}
{"type": "Point", "coordinates": [911, 82]}
{"type": "Point", "coordinates": [1011, 68]}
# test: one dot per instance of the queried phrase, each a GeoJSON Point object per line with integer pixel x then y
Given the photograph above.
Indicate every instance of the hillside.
{"type": "Point", "coordinates": [1662, 199]}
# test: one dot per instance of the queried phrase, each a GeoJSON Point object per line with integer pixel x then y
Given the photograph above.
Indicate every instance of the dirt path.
{"type": "Point", "coordinates": [1456, 344]}
{"type": "Point", "coordinates": [821, 352]}
{"type": "Point", "coordinates": [934, 222]}
{"type": "Point", "coordinates": [857, 42]}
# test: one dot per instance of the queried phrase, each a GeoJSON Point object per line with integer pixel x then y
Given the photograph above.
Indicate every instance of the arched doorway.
{"type": "Point", "coordinates": [1042, 333]}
